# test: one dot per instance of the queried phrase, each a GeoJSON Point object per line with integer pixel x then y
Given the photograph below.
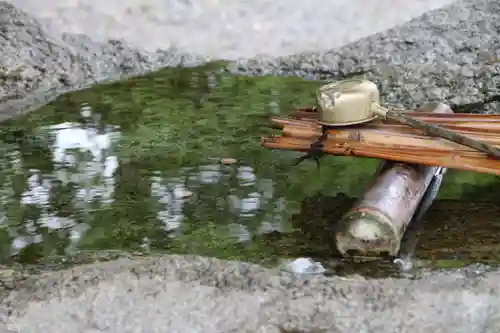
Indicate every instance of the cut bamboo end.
{"type": "Point", "coordinates": [366, 234]}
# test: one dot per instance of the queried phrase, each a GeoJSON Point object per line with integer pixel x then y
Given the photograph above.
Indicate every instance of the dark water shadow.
{"type": "Point", "coordinates": [454, 234]}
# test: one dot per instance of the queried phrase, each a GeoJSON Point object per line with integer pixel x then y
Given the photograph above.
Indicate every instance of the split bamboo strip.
{"type": "Point", "coordinates": [388, 137]}
{"type": "Point", "coordinates": [480, 130]}
{"type": "Point", "coordinates": [467, 160]}
{"type": "Point", "coordinates": [392, 141]}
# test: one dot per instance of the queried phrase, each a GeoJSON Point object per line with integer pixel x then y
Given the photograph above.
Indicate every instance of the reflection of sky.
{"type": "Point", "coordinates": [83, 156]}
{"type": "Point", "coordinates": [80, 154]}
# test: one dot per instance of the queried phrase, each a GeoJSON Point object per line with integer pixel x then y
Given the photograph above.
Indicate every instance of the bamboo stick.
{"type": "Point", "coordinates": [467, 161]}
{"type": "Point", "coordinates": [393, 142]}
{"type": "Point", "coordinates": [310, 114]}
{"type": "Point", "coordinates": [378, 220]}
{"type": "Point", "coordinates": [389, 138]}
{"type": "Point", "coordinates": [481, 130]}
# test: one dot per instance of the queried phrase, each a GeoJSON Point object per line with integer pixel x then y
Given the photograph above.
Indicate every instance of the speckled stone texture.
{"type": "Point", "coordinates": [36, 64]}
{"type": "Point", "coordinates": [195, 294]}
{"type": "Point", "coordinates": [450, 55]}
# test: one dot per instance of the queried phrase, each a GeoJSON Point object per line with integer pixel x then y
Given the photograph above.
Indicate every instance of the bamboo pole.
{"type": "Point", "coordinates": [392, 141]}
{"type": "Point", "coordinates": [441, 132]}
{"type": "Point", "coordinates": [377, 222]}
{"type": "Point", "coordinates": [383, 144]}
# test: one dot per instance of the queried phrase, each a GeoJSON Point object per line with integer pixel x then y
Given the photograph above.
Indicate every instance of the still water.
{"type": "Point", "coordinates": [171, 162]}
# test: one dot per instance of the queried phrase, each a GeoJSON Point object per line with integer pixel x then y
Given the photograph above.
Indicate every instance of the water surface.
{"type": "Point", "coordinates": [171, 162]}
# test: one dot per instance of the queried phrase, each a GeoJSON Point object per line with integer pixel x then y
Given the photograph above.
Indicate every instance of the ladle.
{"type": "Point", "coordinates": [357, 101]}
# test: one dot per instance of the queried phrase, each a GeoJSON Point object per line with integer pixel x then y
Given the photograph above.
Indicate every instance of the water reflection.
{"type": "Point", "coordinates": [83, 168]}
{"type": "Point", "coordinates": [83, 176]}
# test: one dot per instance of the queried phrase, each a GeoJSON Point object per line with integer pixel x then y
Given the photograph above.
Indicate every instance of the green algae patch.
{"type": "Point", "coordinates": [168, 191]}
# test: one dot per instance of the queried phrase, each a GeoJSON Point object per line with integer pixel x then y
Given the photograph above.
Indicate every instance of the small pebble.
{"type": "Point", "coordinates": [228, 161]}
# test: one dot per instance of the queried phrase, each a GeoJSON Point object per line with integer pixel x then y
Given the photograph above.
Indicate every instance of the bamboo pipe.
{"type": "Point", "coordinates": [378, 220]}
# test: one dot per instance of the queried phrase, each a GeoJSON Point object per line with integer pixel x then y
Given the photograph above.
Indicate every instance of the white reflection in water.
{"type": "Point", "coordinates": [82, 156]}
{"type": "Point", "coordinates": [209, 174]}
{"type": "Point", "coordinates": [246, 176]}
{"type": "Point", "coordinates": [71, 140]}
{"type": "Point", "coordinates": [85, 158]}
{"type": "Point", "coordinates": [173, 197]}
{"type": "Point", "coordinates": [174, 194]}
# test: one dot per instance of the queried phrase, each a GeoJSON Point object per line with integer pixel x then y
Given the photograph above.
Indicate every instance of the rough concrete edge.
{"type": "Point", "coordinates": [235, 275]}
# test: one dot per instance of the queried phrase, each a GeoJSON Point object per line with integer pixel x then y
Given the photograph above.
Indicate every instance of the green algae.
{"type": "Point", "coordinates": [174, 124]}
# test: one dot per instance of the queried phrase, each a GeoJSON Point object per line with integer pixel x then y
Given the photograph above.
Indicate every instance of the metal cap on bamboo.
{"type": "Point", "coordinates": [347, 102]}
